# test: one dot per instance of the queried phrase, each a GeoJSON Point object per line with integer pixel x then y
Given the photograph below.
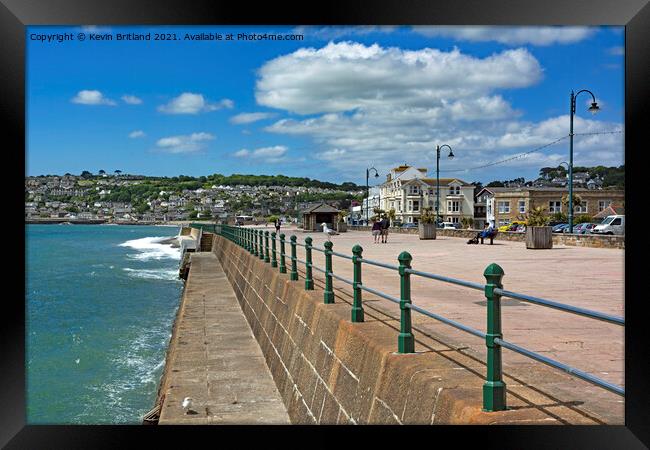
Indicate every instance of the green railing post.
{"type": "Point", "coordinates": [283, 267]}
{"type": "Point", "coordinates": [293, 276]}
{"type": "Point", "coordinates": [266, 245]}
{"type": "Point", "coordinates": [256, 251]}
{"type": "Point", "coordinates": [406, 340]}
{"type": "Point", "coordinates": [274, 259]}
{"type": "Point", "coordinates": [261, 234]}
{"type": "Point", "coordinates": [309, 281]}
{"type": "Point", "coordinates": [494, 389]}
{"type": "Point", "coordinates": [249, 235]}
{"type": "Point", "coordinates": [357, 306]}
{"type": "Point", "coordinates": [328, 296]}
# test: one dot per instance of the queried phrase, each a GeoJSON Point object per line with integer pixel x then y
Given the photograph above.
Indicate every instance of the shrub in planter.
{"type": "Point", "coordinates": [538, 234]}
{"type": "Point", "coordinates": [341, 225]}
{"type": "Point", "coordinates": [427, 224]}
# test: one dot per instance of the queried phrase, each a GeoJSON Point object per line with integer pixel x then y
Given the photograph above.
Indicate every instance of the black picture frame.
{"type": "Point", "coordinates": [15, 15]}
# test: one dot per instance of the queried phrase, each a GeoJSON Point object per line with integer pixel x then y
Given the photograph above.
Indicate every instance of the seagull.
{"type": "Point", "coordinates": [328, 232]}
{"type": "Point", "coordinates": [187, 405]}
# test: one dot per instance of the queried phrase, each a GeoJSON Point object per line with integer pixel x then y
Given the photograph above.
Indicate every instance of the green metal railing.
{"type": "Point", "coordinates": [494, 388]}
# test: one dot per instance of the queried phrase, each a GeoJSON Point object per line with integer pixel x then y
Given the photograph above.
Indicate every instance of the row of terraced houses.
{"type": "Point", "coordinates": [408, 189]}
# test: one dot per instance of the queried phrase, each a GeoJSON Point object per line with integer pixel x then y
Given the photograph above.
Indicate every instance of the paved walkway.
{"type": "Point", "coordinates": [215, 359]}
{"type": "Point", "coordinates": [586, 277]}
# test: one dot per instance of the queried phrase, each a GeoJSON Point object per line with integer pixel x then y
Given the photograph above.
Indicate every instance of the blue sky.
{"type": "Point", "coordinates": [326, 107]}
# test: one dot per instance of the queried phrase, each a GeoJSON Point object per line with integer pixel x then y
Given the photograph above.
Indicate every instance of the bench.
{"type": "Point", "coordinates": [491, 236]}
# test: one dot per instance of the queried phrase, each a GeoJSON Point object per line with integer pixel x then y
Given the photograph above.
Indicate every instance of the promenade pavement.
{"type": "Point", "coordinates": [214, 358]}
{"type": "Point", "coordinates": [591, 278]}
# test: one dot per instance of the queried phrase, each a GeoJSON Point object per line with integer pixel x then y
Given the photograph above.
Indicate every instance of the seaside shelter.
{"type": "Point", "coordinates": [316, 214]}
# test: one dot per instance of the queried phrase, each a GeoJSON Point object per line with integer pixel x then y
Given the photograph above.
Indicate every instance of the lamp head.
{"type": "Point", "coordinates": [594, 108]}
{"type": "Point", "coordinates": [451, 154]}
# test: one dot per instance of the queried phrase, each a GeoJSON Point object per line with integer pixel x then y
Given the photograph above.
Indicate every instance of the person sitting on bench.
{"type": "Point", "coordinates": [488, 232]}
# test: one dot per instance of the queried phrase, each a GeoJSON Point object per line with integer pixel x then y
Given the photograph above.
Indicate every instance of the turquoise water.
{"type": "Point", "coordinates": [100, 306]}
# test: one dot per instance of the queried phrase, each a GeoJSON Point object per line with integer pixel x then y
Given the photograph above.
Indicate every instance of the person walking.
{"type": "Point", "coordinates": [384, 230]}
{"type": "Point", "coordinates": [376, 230]}
{"type": "Point", "coordinates": [277, 226]}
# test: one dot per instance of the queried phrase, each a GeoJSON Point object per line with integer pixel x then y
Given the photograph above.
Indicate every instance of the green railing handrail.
{"type": "Point", "coordinates": [494, 388]}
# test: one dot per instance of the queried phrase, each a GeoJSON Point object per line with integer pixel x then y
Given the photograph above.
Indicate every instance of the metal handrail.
{"type": "Point", "coordinates": [493, 291]}
{"type": "Point", "coordinates": [562, 307]}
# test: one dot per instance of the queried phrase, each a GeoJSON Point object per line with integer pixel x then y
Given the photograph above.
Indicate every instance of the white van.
{"type": "Point", "coordinates": [610, 225]}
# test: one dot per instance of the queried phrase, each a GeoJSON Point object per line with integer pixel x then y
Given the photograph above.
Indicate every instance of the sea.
{"type": "Point", "coordinates": [100, 306]}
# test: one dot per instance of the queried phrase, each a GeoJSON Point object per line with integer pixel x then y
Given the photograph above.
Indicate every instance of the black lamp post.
{"type": "Point", "coordinates": [368, 190]}
{"type": "Point", "coordinates": [450, 156]}
{"type": "Point", "coordinates": [592, 109]}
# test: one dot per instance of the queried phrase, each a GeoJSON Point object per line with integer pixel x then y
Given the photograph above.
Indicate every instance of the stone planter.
{"type": "Point", "coordinates": [427, 230]}
{"type": "Point", "coordinates": [539, 237]}
{"type": "Point", "coordinates": [341, 227]}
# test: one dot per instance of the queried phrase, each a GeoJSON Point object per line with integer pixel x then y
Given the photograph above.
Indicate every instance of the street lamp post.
{"type": "Point", "coordinates": [368, 190]}
{"type": "Point", "coordinates": [451, 155]}
{"type": "Point", "coordinates": [593, 109]}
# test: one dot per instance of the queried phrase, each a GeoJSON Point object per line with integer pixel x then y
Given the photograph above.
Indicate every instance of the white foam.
{"type": "Point", "coordinates": [152, 274]}
{"type": "Point", "coordinates": [151, 248]}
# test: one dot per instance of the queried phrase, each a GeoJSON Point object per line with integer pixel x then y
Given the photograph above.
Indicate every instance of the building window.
{"type": "Point", "coordinates": [581, 208]}
{"type": "Point", "coordinates": [416, 205]}
{"type": "Point", "coordinates": [414, 190]}
{"type": "Point", "coordinates": [554, 207]}
{"type": "Point", "coordinates": [603, 204]}
{"type": "Point", "coordinates": [522, 206]}
{"type": "Point", "coordinates": [453, 206]}
{"type": "Point", "coordinates": [454, 219]}
{"type": "Point", "coordinates": [504, 207]}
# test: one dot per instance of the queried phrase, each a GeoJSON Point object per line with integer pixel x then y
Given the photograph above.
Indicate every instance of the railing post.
{"type": "Point", "coordinates": [274, 259]}
{"type": "Point", "coordinates": [406, 340]}
{"type": "Point", "coordinates": [266, 245]}
{"type": "Point", "coordinates": [251, 249]}
{"type": "Point", "coordinates": [494, 389]}
{"type": "Point", "coordinates": [256, 252]}
{"type": "Point", "coordinates": [357, 306]}
{"type": "Point", "coordinates": [283, 267]}
{"type": "Point", "coordinates": [328, 296]}
{"type": "Point", "coordinates": [261, 234]}
{"type": "Point", "coordinates": [293, 276]}
{"type": "Point", "coordinates": [309, 281]}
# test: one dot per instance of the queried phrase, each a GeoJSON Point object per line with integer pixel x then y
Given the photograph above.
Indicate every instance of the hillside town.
{"type": "Point", "coordinates": [405, 192]}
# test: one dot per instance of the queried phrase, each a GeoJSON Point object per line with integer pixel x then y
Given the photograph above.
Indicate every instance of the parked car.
{"type": "Point", "coordinates": [447, 226]}
{"type": "Point", "coordinates": [610, 225]}
{"type": "Point", "coordinates": [587, 228]}
{"type": "Point", "coordinates": [521, 228]}
{"type": "Point", "coordinates": [583, 228]}
{"type": "Point", "coordinates": [410, 225]}
{"type": "Point", "coordinates": [511, 226]}
{"type": "Point", "coordinates": [559, 227]}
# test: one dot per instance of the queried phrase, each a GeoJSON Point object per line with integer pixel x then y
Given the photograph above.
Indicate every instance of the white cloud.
{"type": "Point", "coordinates": [131, 99]}
{"type": "Point", "coordinates": [335, 32]}
{"type": "Point", "coordinates": [91, 97]}
{"type": "Point", "coordinates": [541, 36]}
{"type": "Point", "coordinates": [245, 118]}
{"type": "Point", "coordinates": [190, 103]}
{"type": "Point", "coordinates": [184, 143]}
{"type": "Point", "coordinates": [137, 134]}
{"type": "Point", "coordinates": [273, 154]}
{"type": "Point", "coordinates": [348, 75]}
{"type": "Point", "coordinates": [369, 105]}
{"type": "Point", "coordinates": [616, 51]}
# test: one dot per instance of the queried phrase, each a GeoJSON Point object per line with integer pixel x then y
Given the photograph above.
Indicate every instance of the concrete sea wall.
{"type": "Point", "coordinates": [331, 371]}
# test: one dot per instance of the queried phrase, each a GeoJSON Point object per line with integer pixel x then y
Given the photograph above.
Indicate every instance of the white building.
{"type": "Point", "coordinates": [370, 203]}
{"type": "Point", "coordinates": [407, 190]}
